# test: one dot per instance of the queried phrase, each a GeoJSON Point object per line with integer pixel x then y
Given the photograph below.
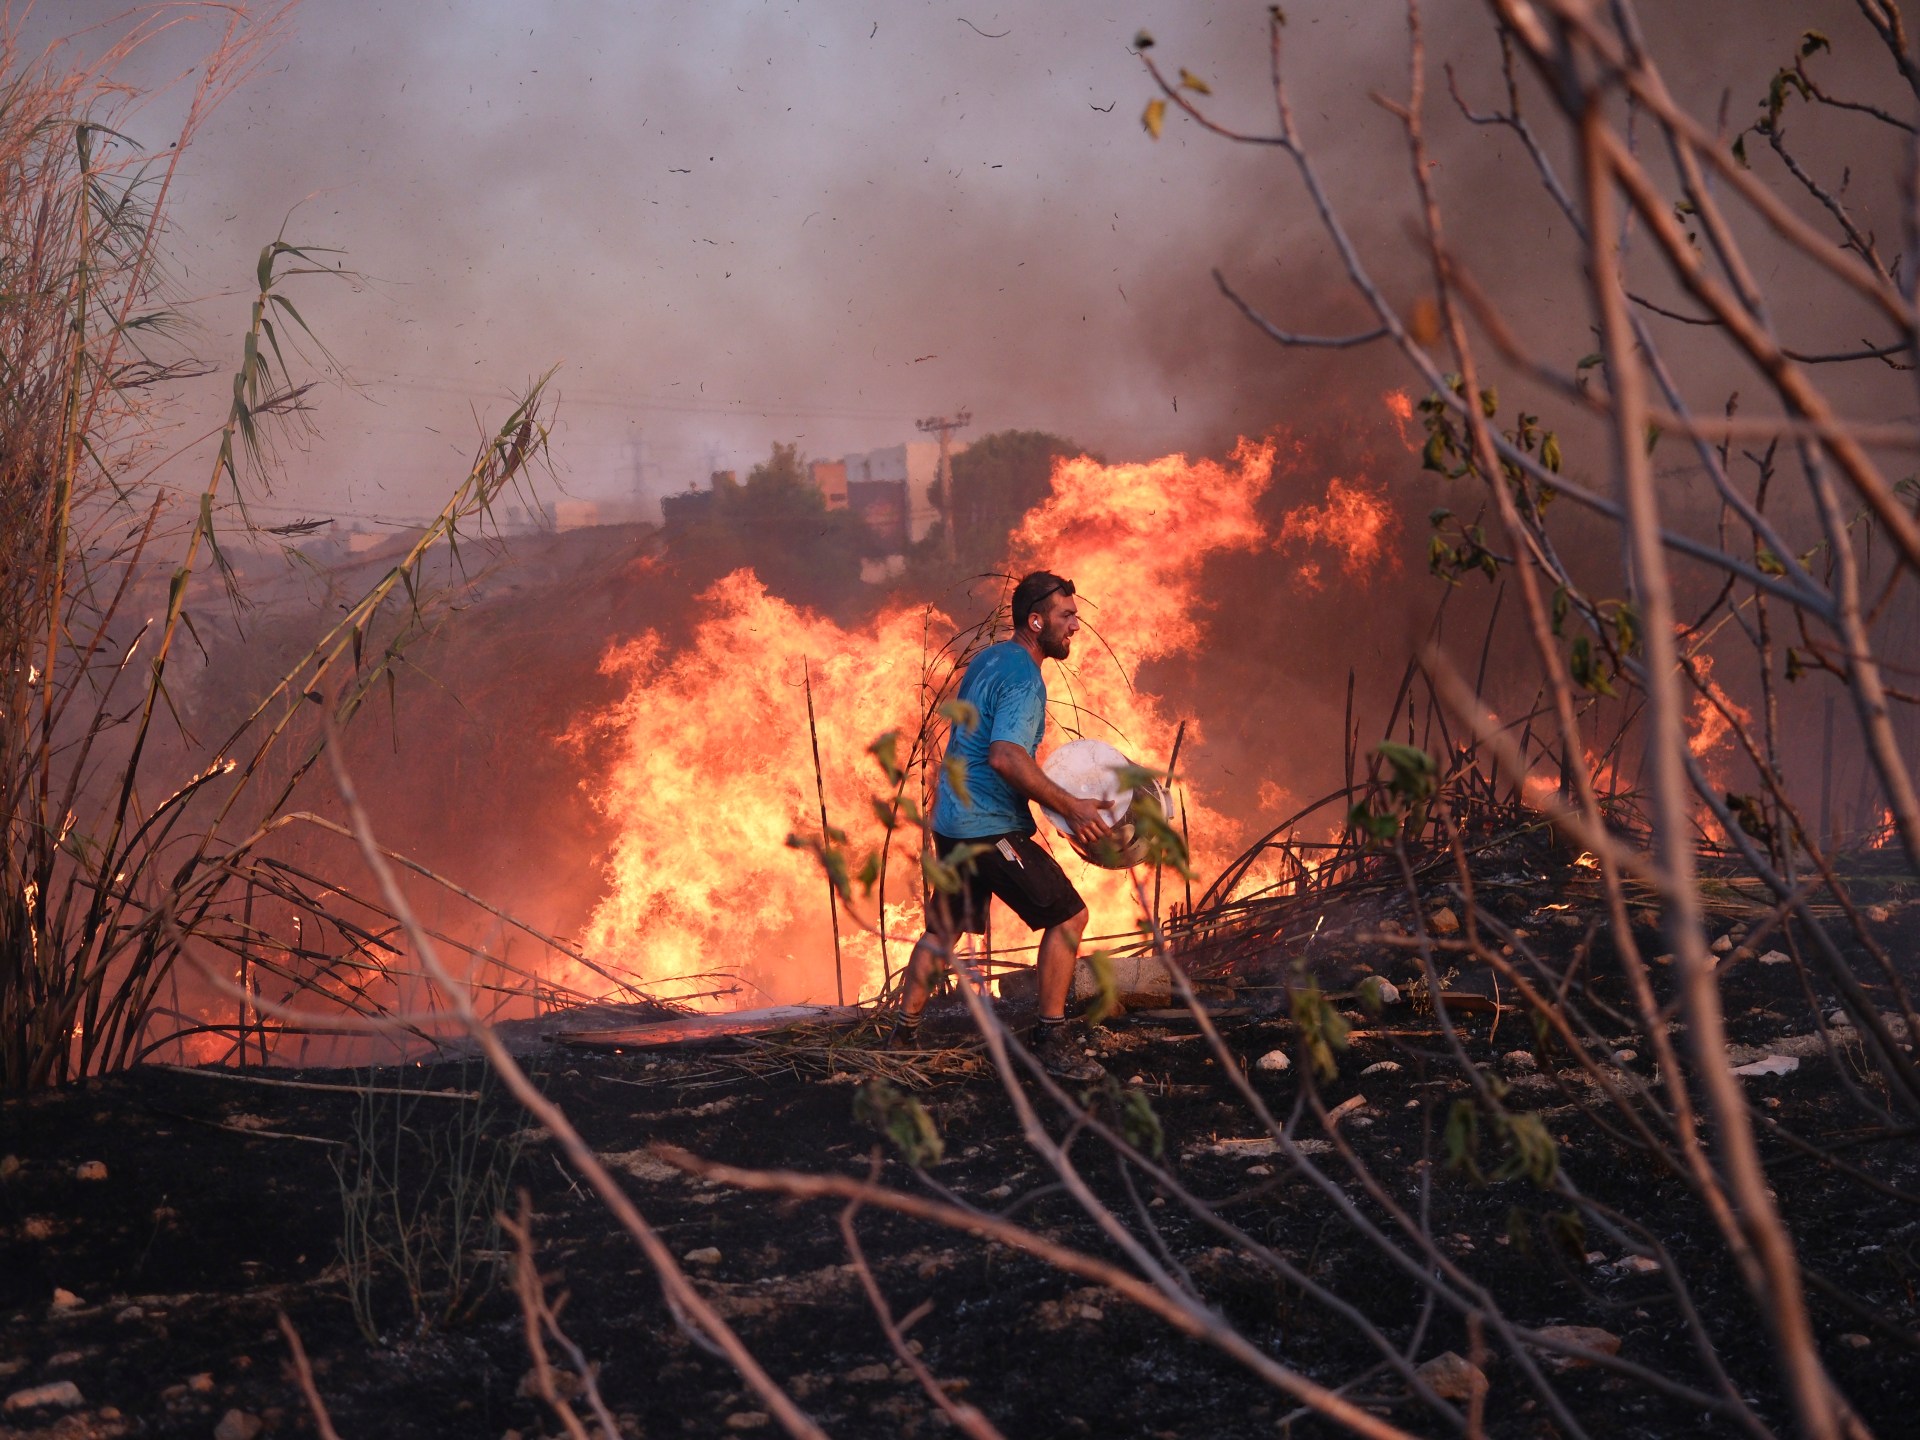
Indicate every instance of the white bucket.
{"type": "Point", "coordinates": [1090, 770]}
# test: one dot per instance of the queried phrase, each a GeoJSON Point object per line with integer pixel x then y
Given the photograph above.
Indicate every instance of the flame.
{"type": "Point", "coordinates": [1710, 726]}
{"type": "Point", "coordinates": [1587, 860]}
{"type": "Point", "coordinates": [1355, 524]}
{"type": "Point", "coordinates": [712, 767]}
{"type": "Point", "coordinates": [1400, 405]}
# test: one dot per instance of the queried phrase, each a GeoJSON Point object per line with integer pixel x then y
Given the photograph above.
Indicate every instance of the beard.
{"type": "Point", "coordinates": [1055, 647]}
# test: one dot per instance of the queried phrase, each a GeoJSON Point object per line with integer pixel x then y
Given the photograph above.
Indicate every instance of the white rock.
{"type": "Point", "coordinates": [60, 1395]}
{"type": "Point", "coordinates": [1625, 1057]}
{"type": "Point", "coordinates": [999, 1192]}
{"type": "Point", "coordinates": [1273, 1060]}
{"type": "Point", "coordinates": [1384, 990]}
{"type": "Point", "coordinates": [1259, 1169]}
{"type": "Point", "coordinates": [1722, 945]}
{"type": "Point", "coordinates": [90, 1170]}
{"type": "Point", "coordinates": [1443, 922]}
{"type": "Point", "coordinates": [65, 1300]}
{"type": "Point", "coordinates": [1878, 914]}
{"type": "Point", "coordinates": [1857, 1341]}
{"type": "Point", "coordinates": [705, 1255]}
{"type": "Point", "coordinates": [1381, 1067]}
{"type": "Point", "coordinates": [1776, 957]}
{"type": "Point", "coordinates": [1772, 1065]}
{"type": "Point", "coordinates": [238, 1425]}
{"type": "Point", "coordinates": [1639, 1265]}
{"type": "Point", "coordinates": [1519, 1060]}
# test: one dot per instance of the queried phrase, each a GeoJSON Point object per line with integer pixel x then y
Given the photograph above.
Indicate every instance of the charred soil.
{"type": "Point", "coordinates": [155, 1286]}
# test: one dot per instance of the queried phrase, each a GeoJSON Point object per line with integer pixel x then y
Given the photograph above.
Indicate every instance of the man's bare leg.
{"type": "Point", "coordinates": [1059, 947]}
{"type": "Point", "coordinates": [923, 964]}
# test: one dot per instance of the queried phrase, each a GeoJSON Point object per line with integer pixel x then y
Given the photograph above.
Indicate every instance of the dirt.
{"type": "Point", "coordinates": [156, 1287]}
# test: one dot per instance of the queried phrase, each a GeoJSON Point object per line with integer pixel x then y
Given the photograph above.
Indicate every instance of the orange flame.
{"type": "Point", "coordinates": [1711, 725]}
{"type": "Point", "coordinates": [1400, 405]}
{"type": "Point", "coordinates": [712, 768]}
{"type": "Point", "coordinates": [1354, 523]}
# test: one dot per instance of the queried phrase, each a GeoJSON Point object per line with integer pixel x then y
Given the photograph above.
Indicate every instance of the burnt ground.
{"type": "Point", "coordinates": [155, 1289]}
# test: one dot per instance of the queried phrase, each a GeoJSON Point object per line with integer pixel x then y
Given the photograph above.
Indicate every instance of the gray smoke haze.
{"type": "Point", "coordinates": [743, 222]}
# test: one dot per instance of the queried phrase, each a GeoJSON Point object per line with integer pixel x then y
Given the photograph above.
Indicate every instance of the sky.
{"type": "Point", "coordinates": [736, 223]}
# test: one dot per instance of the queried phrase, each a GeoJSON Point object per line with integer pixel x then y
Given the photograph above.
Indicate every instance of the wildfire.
{"type": "Point", "coordinates": [712, 767]}
{"type": "Point", "coordinates": [1354, 523]}
{"type": "Point", "coordinates": [1400, 405]}
{"type": "Point", "coordinates": [1711, 724]}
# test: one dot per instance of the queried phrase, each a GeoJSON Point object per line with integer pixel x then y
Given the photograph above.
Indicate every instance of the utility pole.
{"type": "Point", "coordinates": [944, 426]}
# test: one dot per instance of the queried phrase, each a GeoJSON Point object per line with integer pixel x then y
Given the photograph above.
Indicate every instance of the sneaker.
{"type": "Point", "coordinates": [1062, 1053]}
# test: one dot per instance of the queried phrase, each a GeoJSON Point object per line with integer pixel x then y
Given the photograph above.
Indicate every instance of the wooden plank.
{"type": "Point", "coordinates": [705, 1029]}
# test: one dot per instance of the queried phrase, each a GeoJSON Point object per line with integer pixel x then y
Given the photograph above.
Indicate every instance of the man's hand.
{"type": "Point", "coordinates": [1088, 821]}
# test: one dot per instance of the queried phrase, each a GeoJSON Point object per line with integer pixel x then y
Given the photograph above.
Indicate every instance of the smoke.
{"type": "Point", "coordinates": [733, 224]}
{"type": "Point", "coordinates": [736, 223]}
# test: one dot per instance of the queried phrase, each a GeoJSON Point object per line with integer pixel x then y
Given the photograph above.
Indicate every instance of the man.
{"type": "Point", "coordinates": [1005, 685]}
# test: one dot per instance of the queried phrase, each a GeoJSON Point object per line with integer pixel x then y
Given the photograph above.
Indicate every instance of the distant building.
{"type": "Point", "coordinates": [830, 479]}
{"type": "Point", "coordinates": [883, 506]}
{"type": "Point", "coordinates": [915, 466]}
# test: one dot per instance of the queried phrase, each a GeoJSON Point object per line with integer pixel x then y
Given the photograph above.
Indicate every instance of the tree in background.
{"type": "Point", "coordinates": [777, 524]}
{"type": "Point", "coordinates": [996, 480]}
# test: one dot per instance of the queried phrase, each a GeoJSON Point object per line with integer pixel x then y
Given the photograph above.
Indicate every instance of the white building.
{"type": "Point", "coordinates": [917, 462]}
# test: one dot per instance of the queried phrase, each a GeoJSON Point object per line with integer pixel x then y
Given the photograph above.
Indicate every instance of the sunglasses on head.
{"type": "Point", "coordinates": [1059, 587]}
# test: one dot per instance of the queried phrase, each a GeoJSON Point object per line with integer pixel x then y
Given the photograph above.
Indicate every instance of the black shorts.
{"type": "Point", "coordinates": [1013, 867]}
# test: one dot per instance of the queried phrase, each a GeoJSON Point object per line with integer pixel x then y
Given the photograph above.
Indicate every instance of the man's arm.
{"type": "Point", "coordinates": [1022, 772]}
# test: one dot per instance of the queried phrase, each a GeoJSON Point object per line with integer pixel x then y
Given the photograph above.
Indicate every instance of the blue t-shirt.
{"type": "Point", "coordinates": [1004, 684]}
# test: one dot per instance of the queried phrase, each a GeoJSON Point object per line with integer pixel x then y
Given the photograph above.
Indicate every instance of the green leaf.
{"type": "Point", "coordinates": [1154, 116]}
{"type": "Point", "coordinates": [963, 713]}
{"type": "Point", "coordinates": [887, 814]}
{"type": "Point", "coordinates": [1534, 1153]}
{"type": "Point", "coordinates": [1100, 962]}
{"type": "Point", "coordinates": [1740, 150]}
{"type": "Point", "coordinates": [1323, 1029]}
{"type": "Point", "coordinates": [1550, 452]}
{"type": "Point", "coordinates": [1562, 599]}
{"type": "Point", "coordinates": [1369, 992]}
{"type": "Point", "coordinates": [1139, 1123]}
{"type": "Point", "coordinates": [885, 749]}
{"type": "Point", "coordinates": [954, 768]}
{"type": "Point", "coordinates": [1434, 457]}
{"type": "Point", "coordinates": [1795, 667]}
{"type": "Point", "coordinates": [1462, 1140]}
{"type": "Point", "coordinates": [1768, 563]}
{"type": "Point", "coordinates": [1416, 775]}
{"type": "Point", "coordinates": [1489, 402]}
{"type": "Point", "coordinates": [902, 1119]}
{"type": "Point", "coordinates": [1587, 362]}
{"type": "Point", "coordinates": [1191, 81]}
{"type": "Point", "coordinates": [1626, 625]}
